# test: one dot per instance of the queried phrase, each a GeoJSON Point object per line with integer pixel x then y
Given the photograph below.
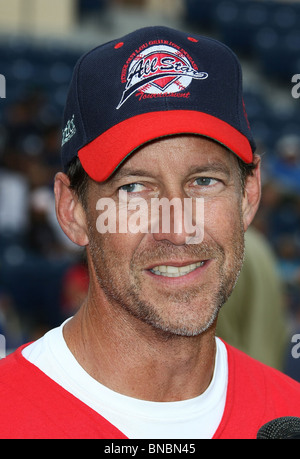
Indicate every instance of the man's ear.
{"type": "Point", "coordinates": [69, 211]}
{"type": "Point", "coordinates": [252, 194]}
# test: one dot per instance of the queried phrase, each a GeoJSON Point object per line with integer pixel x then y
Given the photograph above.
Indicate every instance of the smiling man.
{"type": "Point", "coordinates": [157, 277]}
{"type": "Point", "coordinates": [156, 115]}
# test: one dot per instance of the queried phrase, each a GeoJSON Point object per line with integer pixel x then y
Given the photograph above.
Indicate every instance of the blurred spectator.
{"type": "Point", "coordinates": [10, 325]}
{"type": "Point", "coordinates": [278, 217]}
{"type": "Point", "coordinates": [74, 288]}
{"type": "Point", "coordinates": [286, 163]}
{"type": "Point", "coordinates": [289, 258]}
{"type": "Point", "coordinates": [254, 318]}
{"type": "Point", "coordinates": [41, 237]}
{"type": "Point", "coordinates": [13, 218]}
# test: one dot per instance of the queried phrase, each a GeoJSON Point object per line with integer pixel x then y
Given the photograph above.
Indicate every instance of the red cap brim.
{"type": "Point", "coordinates": [101, 157]}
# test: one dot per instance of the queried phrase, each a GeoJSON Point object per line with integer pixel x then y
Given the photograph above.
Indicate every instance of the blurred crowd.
{"type": "Point", "coordinates": [43, 277]}
{"type": "Point", "coordinates": [278, 217]}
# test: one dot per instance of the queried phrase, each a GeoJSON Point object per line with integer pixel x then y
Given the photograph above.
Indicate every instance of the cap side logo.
{"type": "Point", "coordinates": [68, 131]}
{"type": "Point", "coordinates": [160, 70]}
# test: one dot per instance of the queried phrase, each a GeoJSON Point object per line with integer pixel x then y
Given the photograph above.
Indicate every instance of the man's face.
{"type": "Point", "coordinates": [158, 278]}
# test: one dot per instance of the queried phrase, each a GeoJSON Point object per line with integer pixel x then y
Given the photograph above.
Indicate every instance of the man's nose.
{"type": "Point", "coordinates": [174, 219]}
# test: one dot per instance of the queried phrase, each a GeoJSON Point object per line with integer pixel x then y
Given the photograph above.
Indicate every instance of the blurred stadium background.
{"type": "Point", "coordinates": [42, 276]}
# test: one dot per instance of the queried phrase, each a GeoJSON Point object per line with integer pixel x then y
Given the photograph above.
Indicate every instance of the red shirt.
{"type": "Point", "coordinates": [33, 406]}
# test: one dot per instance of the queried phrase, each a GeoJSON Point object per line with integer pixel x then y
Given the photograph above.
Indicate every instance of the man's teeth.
{"type": "Point", "coordinates": [175, 271]}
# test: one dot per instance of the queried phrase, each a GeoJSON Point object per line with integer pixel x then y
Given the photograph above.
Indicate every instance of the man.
{"type": "Point", "coordinates": [156, 115]}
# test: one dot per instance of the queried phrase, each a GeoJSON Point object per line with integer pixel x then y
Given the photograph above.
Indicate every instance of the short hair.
{"type": "Point", "coordinates": [78, 180]}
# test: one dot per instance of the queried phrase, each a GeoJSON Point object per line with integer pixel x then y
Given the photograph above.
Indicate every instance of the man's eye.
{"type": "Point", "coordinates": [205, 181]}
{"type": "Point", "coordinates": [132, 187]}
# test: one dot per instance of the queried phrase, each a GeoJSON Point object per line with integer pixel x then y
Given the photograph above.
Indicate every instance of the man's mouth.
{"type": "Point", "coordinates": [175, 271]}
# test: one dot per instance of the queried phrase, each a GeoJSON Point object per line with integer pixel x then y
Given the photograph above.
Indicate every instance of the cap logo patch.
{"type": "Point", "coordinates": [68, 131]}
{"type": "Point", "coordinates": [163, 70]}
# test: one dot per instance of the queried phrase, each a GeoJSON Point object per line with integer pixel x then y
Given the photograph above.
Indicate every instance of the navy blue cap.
{"type": "Point", "coordinates": [152, 83]}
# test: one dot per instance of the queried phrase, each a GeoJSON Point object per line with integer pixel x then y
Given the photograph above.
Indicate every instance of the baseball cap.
{"type": "Point", "coordinates": [152, 83]}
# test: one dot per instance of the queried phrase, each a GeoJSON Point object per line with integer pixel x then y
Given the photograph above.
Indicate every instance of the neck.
{"type": "Point", "coordinates": [132, 358]}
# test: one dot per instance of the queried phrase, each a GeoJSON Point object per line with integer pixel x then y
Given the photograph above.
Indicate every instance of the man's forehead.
{"type": "Point", "coordinates": [181, 153]}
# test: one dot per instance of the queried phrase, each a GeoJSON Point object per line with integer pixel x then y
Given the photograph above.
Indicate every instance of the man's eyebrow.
{"type": "Point", "coordinates": [127, 172]}
{"type": "Point", "coordinates": [211, 167]}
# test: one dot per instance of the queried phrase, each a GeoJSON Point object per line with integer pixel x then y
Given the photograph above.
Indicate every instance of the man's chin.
{"type": "Point", "coordinates": [174, 318]}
